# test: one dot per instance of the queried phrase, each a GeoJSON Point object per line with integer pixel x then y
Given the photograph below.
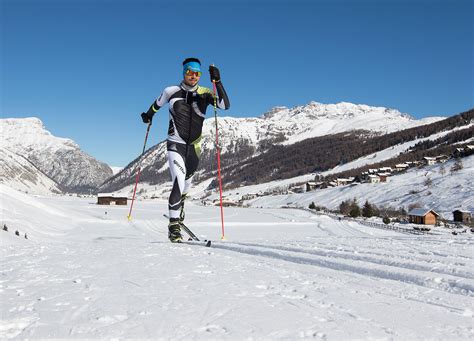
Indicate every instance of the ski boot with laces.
{"type": "Point", "coordinates": [174, 231]}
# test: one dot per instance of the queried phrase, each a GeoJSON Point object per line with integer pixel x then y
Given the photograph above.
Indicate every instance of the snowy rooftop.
{"type": "Point", "coordinates": [421, 212]}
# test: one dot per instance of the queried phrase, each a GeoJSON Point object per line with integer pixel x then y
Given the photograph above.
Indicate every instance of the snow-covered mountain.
{"type": "Point", "coordinates": [289, 125]}
{"type": "Point", "coordinates": [60, 159]}
{"type": "Point", "coordinates": [241, 138]}
{"type": "Point", "coordinates": [116, 169]}
{"type": "Point", "coordinates": [19, 173]}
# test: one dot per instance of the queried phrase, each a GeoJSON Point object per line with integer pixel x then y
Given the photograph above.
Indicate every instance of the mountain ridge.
{"type": "Point", "coordinates": [61, 159]}
{"type": "Point", "coordinates": [243, 138]}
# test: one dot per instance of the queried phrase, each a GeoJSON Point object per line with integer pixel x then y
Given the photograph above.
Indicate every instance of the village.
{"type": "Point", "coordinates": [425, 217]}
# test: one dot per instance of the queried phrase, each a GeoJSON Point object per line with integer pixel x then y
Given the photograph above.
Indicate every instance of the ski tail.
{"type": "Point", "coordinates": [206, 243]}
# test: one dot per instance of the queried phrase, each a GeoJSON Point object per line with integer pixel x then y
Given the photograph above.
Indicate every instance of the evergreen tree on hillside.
{"type": "Point", "coordinates": [368, 210]}
{"type": "Point", "coordinates": [345, 207]}
{"type": "Point", "coordinates": [354, 209]}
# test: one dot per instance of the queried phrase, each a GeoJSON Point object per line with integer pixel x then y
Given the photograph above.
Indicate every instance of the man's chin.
{"type": "Point", "coordinates": [190, 84]}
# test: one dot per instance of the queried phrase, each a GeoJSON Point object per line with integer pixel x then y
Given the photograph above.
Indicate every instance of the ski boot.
{"type": "Point", "coordinates": [174, 231]}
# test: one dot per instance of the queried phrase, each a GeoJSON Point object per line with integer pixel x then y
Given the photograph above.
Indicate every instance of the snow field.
{"type": "Point", "coordinates": [281, 274]}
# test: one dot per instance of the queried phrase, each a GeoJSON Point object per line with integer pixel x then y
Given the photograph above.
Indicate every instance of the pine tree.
{"type": "Point", "coordinates": [368, 210]}
{"type": "Point", "coordinates": [354, 209]}
{"type": "Point", "coordinates": [345, 207]}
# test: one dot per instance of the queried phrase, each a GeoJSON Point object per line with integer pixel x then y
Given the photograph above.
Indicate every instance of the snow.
{"type": "Point", "coordinates": [87, 272]}
{"type": "Point", "coordinates": [23, 134]}
{"type": "Point", "coordinates": [308, 121]}
{"type": "Point", "coordinates": [116, 169]}
{"type": "Point", "coordinates": [58, 158]}
{"type": "Point", "coordinates": [17, 172]}
{"type": "Point", "coordinates": [448, 191]}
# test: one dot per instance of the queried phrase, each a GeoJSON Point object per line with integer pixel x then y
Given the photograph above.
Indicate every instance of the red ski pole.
{"type": "Point", "coordinates": [218, 152]}
{"type": "Point", "coordinates": [137, 178]}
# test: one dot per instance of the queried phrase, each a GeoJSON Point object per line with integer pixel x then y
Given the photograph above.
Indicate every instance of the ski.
{"type": "Point", "coordinates": [206, 243]}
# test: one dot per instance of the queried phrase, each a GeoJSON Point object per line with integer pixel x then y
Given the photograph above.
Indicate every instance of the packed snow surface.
{"type": "Point", "coordinates": [88, 272]}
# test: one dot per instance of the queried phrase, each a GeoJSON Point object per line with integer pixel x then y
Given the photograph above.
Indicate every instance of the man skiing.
{"type": "Point", "coordinates": [188, 102]}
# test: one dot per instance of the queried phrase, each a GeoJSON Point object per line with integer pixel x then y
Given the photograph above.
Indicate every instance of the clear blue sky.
{"type": "Point", "coordinates": [89, 68]}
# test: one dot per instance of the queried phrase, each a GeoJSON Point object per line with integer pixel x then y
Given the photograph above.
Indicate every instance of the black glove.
{"type": "Point", "coordinates": [215, 74]}
{"type": "Point", "coordinates": [146, 118]}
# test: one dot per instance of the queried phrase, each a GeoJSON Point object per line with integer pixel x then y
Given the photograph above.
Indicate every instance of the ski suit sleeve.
{"type": "Point", "coordinates": [222, 99]}
{"type": "Point", "coordinates": [160, 101]}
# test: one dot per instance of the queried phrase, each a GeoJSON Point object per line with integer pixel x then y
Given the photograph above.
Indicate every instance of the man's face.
{"type": "Point", "coordinates": [191, 78]}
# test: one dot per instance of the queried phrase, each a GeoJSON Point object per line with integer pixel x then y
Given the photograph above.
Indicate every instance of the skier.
{"type": "Point", "coordinates": [187, 106]}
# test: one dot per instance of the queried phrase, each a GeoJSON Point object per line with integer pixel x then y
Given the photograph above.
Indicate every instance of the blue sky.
{"type": "Point", "coordinates": [89, 68]}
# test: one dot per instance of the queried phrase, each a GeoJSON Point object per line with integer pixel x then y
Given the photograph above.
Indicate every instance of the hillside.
{"type": "Point", "coordinates": [17, 172]}
{"type": "Point", "coordinates": [276, 134]}
{"type": "Point", "coordinates": [60, 159]}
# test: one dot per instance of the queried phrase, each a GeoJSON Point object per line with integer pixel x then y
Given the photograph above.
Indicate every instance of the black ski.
{"type": "Point", "coordinates": [206, 243]}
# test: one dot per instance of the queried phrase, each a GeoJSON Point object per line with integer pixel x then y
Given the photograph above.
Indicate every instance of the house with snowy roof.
{"type": "Point", "coordinates": [344, 181]}
{"type": "Point", "coordinates": [374, 179]}
{"type": "Point", "coordinates": [385, 170]}
{"type": "Point", "coordinates": [424, 216]}
{"type": "Point", "coordinates": [429, 160]}
{"type": "Point", "coordinates": [110, 199]}
{"type": "Point", "coordinates": [384, 177]}
{"type": "Point", "coordinates": [312, 185]}
{"type": "Point", "coordinates": [442, 158]}
{"type": "Point", "coordinates": [401, 167]}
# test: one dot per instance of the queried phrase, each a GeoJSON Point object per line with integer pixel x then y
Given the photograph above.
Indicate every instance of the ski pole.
{"type": "Point", "coordinates": [137, 178]}
{"type": "Point", "coordinates": [218, 157]}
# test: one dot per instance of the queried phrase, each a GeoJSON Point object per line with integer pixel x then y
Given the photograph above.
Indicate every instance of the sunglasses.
{"type": "Point", "coordinates": [195, 73]}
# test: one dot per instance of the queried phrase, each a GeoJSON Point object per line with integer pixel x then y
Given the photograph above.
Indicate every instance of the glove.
{"type": "Point", "coordinates": [146, 118]}
{"type": "Point", "coordinates": [215, 74]}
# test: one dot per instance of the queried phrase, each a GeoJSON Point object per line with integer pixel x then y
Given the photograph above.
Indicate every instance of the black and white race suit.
{"type": "Point", "coordinates": [187, 108]}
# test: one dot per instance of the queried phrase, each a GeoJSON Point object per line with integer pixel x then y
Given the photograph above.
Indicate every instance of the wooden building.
{"type": "Point", "coordinates": [461, 216]}
{"type": "Point", "coordinates": [423, 216]}
{"type": "Point", "coordinates": [110, 199]}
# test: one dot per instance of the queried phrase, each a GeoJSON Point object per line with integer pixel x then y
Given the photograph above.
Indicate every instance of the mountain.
{"type": "Point", "coordinates": [19, 173]}
{"type": "Point", "coordinates": [60, 159]}
{"type": "Point", "coordinates": [242, 139]}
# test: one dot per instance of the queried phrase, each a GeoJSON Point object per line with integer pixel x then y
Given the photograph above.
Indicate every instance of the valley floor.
{"type": "Point", "coordinates": [87, 272]}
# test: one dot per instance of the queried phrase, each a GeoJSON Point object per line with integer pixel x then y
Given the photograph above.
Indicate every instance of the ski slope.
{"type": "Point", "coordinates": [86, 272]}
